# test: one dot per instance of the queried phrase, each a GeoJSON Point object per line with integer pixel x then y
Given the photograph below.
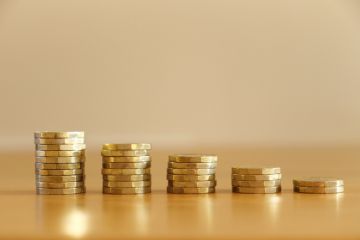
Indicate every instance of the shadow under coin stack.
{"type": "Point", "coordinates": [256, 180]}
{"type": "Point", "coordinates": [318, 185]}
{"type": "Point", "coordinates": [126, 168]}
{"type": "Point", "coordinates": [59, 162]}
{"type": "Point", "coordinates": [191, 174]}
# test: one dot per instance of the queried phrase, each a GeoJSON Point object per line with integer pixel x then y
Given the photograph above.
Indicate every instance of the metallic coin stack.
{"type": "Point", "coordinates": [191, 174]}
{"type": "Point", "coordinates": [126, 168]}
{"type": "Point", "coordinates": [318, 185]}
{"type": "Point", "coordinates": [59, 162]}
{"type": "Point", "coordinates": [256, 180]}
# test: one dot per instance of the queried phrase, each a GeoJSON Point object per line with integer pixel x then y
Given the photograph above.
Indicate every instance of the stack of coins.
{"type": "Point", "coordinates": [318, 185]}
{"type": "Point", "coordinates": [256, 180]}
{"type": "Point", "coordinates": [59, 162]}
{"type": "Point", "coordinates": [126, 168]}
{"type": "Point", "coordinates": [191, 174]}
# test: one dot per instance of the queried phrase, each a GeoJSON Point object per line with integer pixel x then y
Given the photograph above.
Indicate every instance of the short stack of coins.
{"type": "Point", "coordinates": [191, 174]}
{"type": "Point", "coordinates": [59, 162]}
{"type": "Point", "coordinates": [256, 180]}
{"type": "Point", "coordinates": [318, 185]}
{"type": "Point", "coordinates": [126, 168]}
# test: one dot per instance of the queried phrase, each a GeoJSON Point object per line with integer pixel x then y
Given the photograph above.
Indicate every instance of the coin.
{"type": "Point", "coordinates": [127, 146]}
{"type": "Point", "coordinates": [191, 190]}
{"type": "Point", "coordinates": [198, 184]}
{"type": "Point", "coordinates": [59, 141]}
{"type": "Point", "coordinates": [338, 189]}
{"type": "Point", "coordinates": [74, 147]}
{"type": "Point", "coordinates": [59, 134]}
{"type": "Point", "coordinates": [126, 159]}
{"type": "Point", "coordinates": [127, 178]}
{"type": "Point", "coordinates": [318, 182]}
{"type": "Point", "coordinates": [193, 158]}
{"type": "Point", "coordinates": [256, 170]}
{"type": "Point", "coordinates": [61, 166]}
{"type": "Point", "coordinates": [264, 177]}
{"type": "Point", "coordinates": [128, 171]}
{"type": "Point", "coordinates": [125, 153]}
{"type": "Point", "coordinates": [60, 179]}
{"type": "Point", "coordinates": [59, 185]}
{"type": "Point", "coordinates": [127, 165]}
{"type": "Point", "coordinates": [191, 165]}
{"type": "Point", "coordinates": [59, 172]}
{"type": "Point", "coordinates": [127, 184]}
{"type": "Point", "coordinates": [60, 159]}
{"type": "Point", "coordinates": [270, 183]}
{"type": "Point", "coordinates": [139, 190]}
{"type": "Point", "coordinates": [59, 153]}
{"type": "Point", "coordinates": [190, 178]}
{"type": "Point", "coordinates": [256, 189]}
{"type": "Point", "coordinates": [54, 191]}
{"type": "Point", "coordinates": [191, 171]}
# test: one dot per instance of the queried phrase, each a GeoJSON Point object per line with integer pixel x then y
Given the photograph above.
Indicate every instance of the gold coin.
{"type": "Point", "coordinates": [74, 147]}
{"type": "Point", "coordinates": [316, 190]}
{"type": "Point", "coordinates": [59, 135]}
{"type": "Point", "coordinates": [127, 146]}
{"type": "Point", "coordinates": [60, 153]}
{"type": "Point", "coordinates": [125, 153]}
{"type": "Point", "coordinates": [318, 182]}
{"type": "Point", "coordinates": [265, 177]}
{"type": "Point", "coordinates": [191, 190]}
{"type": "Point", "coordinates": [59, 185]}
{"type": "Point", "coordinates": [60, 179]}
{"type": "Point", "coordinates": [125, 171]}
{"type": "Point", "coordinates": [256, 189]}
{"type": "Point", "coordinates": [54, 191]}
{"type": "Point", "coordinates": [127, 184]}
{"type": "Point", "coordinates": [193, 158]}
{"type": "Point", "coordinates": [135, 190]}
{"type": "Point", "coordinates": [198, 184]}
{"type": "Point", "coordinates": [127, 178]}
{"type": "Point", "coordinates": [191, 171]}
{"type": "Point", "coordinates": [127, 165]}
{"type": "Point", "coordinates": [126, 159]}
{"type": "Point", "coordinates": [60, 159]}
{"type": "Point", "coordinates": [191, 165]}
{"type": "Point", "coordinates": [256, 170]}
{"type": "Point", "coordinates": [58, 166]}
{"type": "Point", "coordinates": [190, 178]}
{"type": "Point", "coordinates": [270, 183]}
{"type": "Point", "coordinates": [59, 172]}
{"type": "Point", "coordinates": [59, 141]}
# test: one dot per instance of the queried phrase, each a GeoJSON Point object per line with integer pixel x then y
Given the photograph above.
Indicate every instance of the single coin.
{"type": "Point", "coordinates": [190, 178]}
{"type": "Point", "coordinates": [318, 182]}
{"type": "Point", "coordinates": [54, 147]}
{"type": "Point", "coordinates": [191, 165]}
{"type": "Point", "coordinates": [270, 183]}
{"type": "Point", "coordinates": [54, 191]}
{"type": "Point", "coordinates": [316, 190]}
{"type": "Point", "coordinates": [125, 153]}
{"type": "Point", "coordinates": [191, 171]}
{"type": "Point", "coordinates": [127, 178]}
{"type": "Point", "coordinates": [135, 190]}
{"type": "Point", "coordinates": [60, 153]}
{"type": "Point", "coordinates": [125, 171]}
{"type": "Point", "coordinates": [193, 158]}
{"type": "Point", "coordinates": [127, 146]}
{"type": "Point", "coordinates": [60, 159]}
{"type": "Point", "coordinates": [256, 189]}
{"type": "Point", "coordinates": [59, 141]}
{"type": "Point", "coordinates": [198, 184]}
{"type": "Point", "coordinates": [127, 184]}
{"type": "Point", "coordinates": [59, 185]}
{"type": "Point", "coordinates": [191, 190]}
{"type": "Point", "coordinates": [265, 177]}
{"type": "Point", "coordinates": [58, 166]}
{"type": "Point", "coordinates": [60, 179]}
{"type": "Point", "coordinates": [126, 159]}
{"type": "Point", "coordinates": [59, 134]}
{"type": "Point", "coordinates": [59, 172]}
{"type": "Point", "coordinates": [256, 170]}
{"type": "Point", "coordinates": [127, 165]}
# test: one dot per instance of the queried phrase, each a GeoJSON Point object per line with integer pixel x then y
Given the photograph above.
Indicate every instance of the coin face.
{"type": "Point", "coordinates": [125, 153]}
{"type": "Point", "coordinates": [256, 170]}
{"type": "Point", "coordinates": [127, 165]}
{"type": "Point", "coordinates": [126, 184]}
{"type": "Point", "coordinates": [191, 165]}
{"type": "Point", "coordinates": [270, 183]}
{"type": "Point", "coordinates": [185, 190]}
{"type": "Point", "coordinates": [65, 191]}
{"type": "Point", "coordinates": [197, 184]}
{"type": "Point", "coordinates": [59, 185]}
{"type": "Point", "coordinates": [126, 159]}
{"type": "Point", "coordinates": [60, 166]}
{"type": "Point", "coordinates": [60, 147]}
{"type": "Point", "coordinates": [127, 146]}
{"type": "Point", "coordinates": [191, 171]}
{"type": "Point", "coordinates": [256, 189]}
{"type": "Point", "coordinates": [318, 182]}
{"type": "Point", "coordinates": [112, 171]}
{"type": "Point", "coordinates": [59, 179]}
{"type": "Point", "coordinates": [319, 190]}
{"type": "Point", "coordinates": [127, 178]}
{"type": "Point", "coordinates": [193, 158]}
{"type": "Point", "coordinates": [60, 153]}
{"type": "Point", "coordinates": [264, 177]}
{"type": "Point", "coordinates": [59, 134]}
{"type": "Point", "coordinates": [135, 190]}
{"type": "Point", "coordinates": [190, 178]}
{"type": "Point", "coordinates": [59, 172]}
{"type": "Point", "coordinates": [60, 159]}
{"type": "Point", "coordinates": [59, 141]}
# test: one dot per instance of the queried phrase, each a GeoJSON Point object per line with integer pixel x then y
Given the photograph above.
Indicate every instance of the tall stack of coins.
{"type": "Point", "coordinates": [59, 162]}
{"type": "Point", "coordinates": [191, 174]}
{"type": "Point", "coordinates": [256, 180]}
{"type": "Point", "coordinates": [126, 168]}
{"type": "Point", "coordinates": [318, 185]}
